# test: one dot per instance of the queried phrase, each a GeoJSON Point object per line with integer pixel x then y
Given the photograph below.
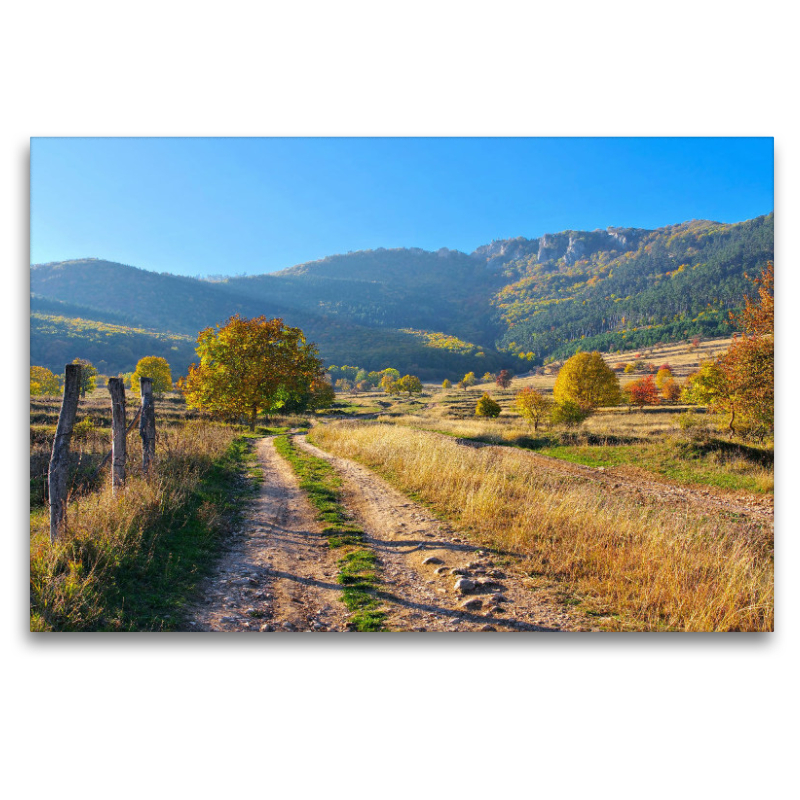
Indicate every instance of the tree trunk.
{"type": "Point", "coordinates": [253, 418]}
{"type": "Point", "coordinates": [59, 461]}
{"type": "Point", "coordinates": [147, 425]}
{"type": "Point", "coordinates": [116, 387]}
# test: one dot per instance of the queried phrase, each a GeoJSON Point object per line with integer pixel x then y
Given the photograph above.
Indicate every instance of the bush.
{"type": "Point", "coordinates": [568, 414]}
{"type": "Point", "coordinates": [487, 407]}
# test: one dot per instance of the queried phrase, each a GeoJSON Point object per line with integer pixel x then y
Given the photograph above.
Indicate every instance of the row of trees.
{"type": "Point", "coordinates": [45, 382]}
{"type": "Point", "coordinates": [502, 379]}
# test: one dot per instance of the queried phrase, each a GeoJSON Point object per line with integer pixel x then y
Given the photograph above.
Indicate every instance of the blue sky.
{"type": "Point", "coordinates": [231, 206]}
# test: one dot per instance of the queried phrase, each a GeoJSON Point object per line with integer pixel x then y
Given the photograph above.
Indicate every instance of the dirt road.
{"type": "Point", "coordinates": [279, 573]}
{"type": "Point", "coordinates": [433, 578]}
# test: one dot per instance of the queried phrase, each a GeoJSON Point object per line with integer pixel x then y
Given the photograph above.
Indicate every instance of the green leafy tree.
{"type": "Point", "coordinates": [88, 375]}
{"type": "Point", "coordinates": [157, 369]}
{"type": "Point", "coordinates": [488, 377]}
{"type": "Point", "coordinates": [250, 366]}
{"type": "Point", "coordinates": [534, 406]}
{"type": "Point", "coordinates": [44, 382]}
{"type": "Point", "coordinates": [586, 380]}
{"type": "Point", "coordinates": [446, 384]}
{"type": "Point", "coordinates": [709, 386]}
{"type": "Point", "coordinates": [469, 379]}
{"type": "Point", "coordinates": [318, 394]}
{"type": "Point", "coordinates": [389, 383]}
{"type": "Point", "coordinates": [487, 407]}
{"type": "Point", "coordinates": [410, 384]}
{"type": "Point", "coordinates": [568, 414]}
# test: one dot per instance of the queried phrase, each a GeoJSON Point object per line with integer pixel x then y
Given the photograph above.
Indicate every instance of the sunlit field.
{"type": "Point", "coordinates": [635, 564]}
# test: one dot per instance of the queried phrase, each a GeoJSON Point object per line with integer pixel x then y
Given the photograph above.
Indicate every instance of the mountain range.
{"type": "Point", "coordinates": [512, 303]}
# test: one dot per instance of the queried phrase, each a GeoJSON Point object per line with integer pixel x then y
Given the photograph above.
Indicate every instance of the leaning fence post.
{"type": "Point", "coordinates": [147, 425]}
{"type": "Point", "coordinates": [58, 472]}
{"type": "Point", "coordinates": [116, 386]}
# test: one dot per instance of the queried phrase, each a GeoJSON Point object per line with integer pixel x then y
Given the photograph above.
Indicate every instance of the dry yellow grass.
{"type": "Point", "coordinates": [655, 566]}
{"type": "Point", "coordinates": [73, 582]}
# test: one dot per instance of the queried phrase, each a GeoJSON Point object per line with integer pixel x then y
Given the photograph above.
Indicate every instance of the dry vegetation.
{"type": "Point", "coordinates": [133, 562]}
{"type": "Point", "coordinates": [129, 562]}
{"type": "Point", "coordinates": [650, 566]}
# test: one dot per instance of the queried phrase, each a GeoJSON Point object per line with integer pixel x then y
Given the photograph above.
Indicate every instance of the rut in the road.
{"type": "Point", "coordinates": [422, 559]}
{"type": "Point", "coordinates": [279, 573]}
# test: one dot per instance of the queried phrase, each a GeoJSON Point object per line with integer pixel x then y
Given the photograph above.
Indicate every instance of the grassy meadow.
{"type": "Point", "coordinates": [633, 562]}
{"type": "Point", "coordinates": [131, 562]}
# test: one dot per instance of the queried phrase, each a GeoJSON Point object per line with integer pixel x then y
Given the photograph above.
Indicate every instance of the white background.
{"type": "Point", "coordinates": [151, 716]}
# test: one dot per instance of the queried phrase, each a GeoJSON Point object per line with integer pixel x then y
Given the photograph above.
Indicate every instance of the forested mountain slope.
{"type": "Point", "coordinates": [659, 285]}
{"type": "Point", "coordinates": [434, 314]}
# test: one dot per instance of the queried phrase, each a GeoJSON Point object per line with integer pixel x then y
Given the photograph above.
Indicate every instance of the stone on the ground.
{"type": "Point", "coordinates": [473, 603]}
{"type": "Point", "coordinates": [464, 585]}
{"type": "Point", "coordinates": [459, 571]}
{"type": "Point", "coordinates": [433, 560]}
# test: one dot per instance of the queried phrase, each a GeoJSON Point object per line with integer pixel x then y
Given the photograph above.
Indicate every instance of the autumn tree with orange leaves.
{"type": "Point", "coordinates": [250, 367]}
{"type": "Point", "coordinates": [642, 392]}
{"type": "Point", "coordinates": [742, 382]}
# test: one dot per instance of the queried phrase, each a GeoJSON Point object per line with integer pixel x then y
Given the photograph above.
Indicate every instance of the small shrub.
{"type": "Point", "coordinates": [487, 407]}
{"type": "Point", "coordinates": [568, 414]}
{"type": "Point", "coordinates": [688, 420]}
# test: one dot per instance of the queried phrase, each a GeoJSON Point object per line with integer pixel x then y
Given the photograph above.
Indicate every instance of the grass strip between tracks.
{"type": "Point", "coordinates": [358, 567]}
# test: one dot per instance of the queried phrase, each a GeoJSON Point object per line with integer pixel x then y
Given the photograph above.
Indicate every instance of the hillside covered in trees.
{"type": "Point", "coordinates": [435, 314]}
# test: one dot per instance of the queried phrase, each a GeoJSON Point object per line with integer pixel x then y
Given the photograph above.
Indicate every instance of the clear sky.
{"type": "Point", "coordinates": [231, 206]}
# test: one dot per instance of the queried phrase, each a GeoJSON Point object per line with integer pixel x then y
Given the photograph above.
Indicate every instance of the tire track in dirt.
{"type": "Point", "coordinates": [278, 573]}
{"type": "Point", "coordinates": [422, 558]}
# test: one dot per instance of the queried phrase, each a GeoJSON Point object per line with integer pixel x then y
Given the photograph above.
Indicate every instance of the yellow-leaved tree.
{"type": "Point", "coordinates": [157, 369]}
{"type": "Point", "coordinates": [43, 381]}
{"type": "Point", "coordinates": [252, 366]}
{"type": "Point", "coordinates": [588, 382]}
{"type": "Point", "coordinates": [533, 405]}
{"type": "Point", "coordinates": [487, 407]}
{"type": "Point", "coordinates": [88, 375]}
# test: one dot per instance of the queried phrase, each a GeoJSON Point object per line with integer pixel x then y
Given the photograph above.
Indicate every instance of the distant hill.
{"type": "Point", "coordinates": [435, 314]}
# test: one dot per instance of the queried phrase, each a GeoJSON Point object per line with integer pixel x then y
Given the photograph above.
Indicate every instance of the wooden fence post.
{"type": "Point", "coordinates": [116, 387]}
{"type": "Point", "coordinates": [59, 461]}
{"type": "Point", "coordinates": [147, 425]}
